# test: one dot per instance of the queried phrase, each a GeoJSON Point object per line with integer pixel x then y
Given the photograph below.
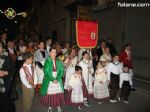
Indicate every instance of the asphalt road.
{"type": "Point", "coordinates": [139, 102]}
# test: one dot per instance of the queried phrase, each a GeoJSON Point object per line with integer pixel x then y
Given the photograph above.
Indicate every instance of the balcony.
{"type": "Point", "coordinates": [98, 5]}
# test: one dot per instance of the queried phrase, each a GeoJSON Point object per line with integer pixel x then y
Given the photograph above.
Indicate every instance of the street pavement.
{"type": "Point", "coordinates": [139, 101]}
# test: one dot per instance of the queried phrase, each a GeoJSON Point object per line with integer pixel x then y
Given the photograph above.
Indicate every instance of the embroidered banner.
{"type": "Point", "coordinates": [86, 34]}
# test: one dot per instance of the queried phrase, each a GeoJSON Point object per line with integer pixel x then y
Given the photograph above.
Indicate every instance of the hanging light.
{"type": "Point", "coordinates": [10, 13]}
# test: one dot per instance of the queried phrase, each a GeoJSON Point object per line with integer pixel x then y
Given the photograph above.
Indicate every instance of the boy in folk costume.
{"type": "Point", "coordinates": [52, 90]}
{"type": "Point", "coordinates": [125, 84]}
{"type": "Point", "coordinates": [75, 91]}
{"type": "Point", "coordinates": [114, 69]}
{"type": "Point", "coordinates": [87, 71]}
{"type": "Point", "coordinates": [29, 80]}
{"type": "Point", "coordinates": [101, 91]}
{"type": "Point", "coordinates": [70, 63]}
{"type": "Point", "coordinates": [39, 57]}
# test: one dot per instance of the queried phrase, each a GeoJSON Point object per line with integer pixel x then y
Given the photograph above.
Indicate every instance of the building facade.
{"type": "Point", "coordinates": [57, 19]}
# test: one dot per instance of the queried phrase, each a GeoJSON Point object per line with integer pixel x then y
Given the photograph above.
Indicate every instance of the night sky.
{"type": "Point", "coordinates": [18, 6]}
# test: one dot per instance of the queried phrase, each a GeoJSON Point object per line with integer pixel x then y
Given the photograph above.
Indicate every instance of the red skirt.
{"type": "Point", "coordinates": [68, 99]}
{"type": "Point", "coordinates": [85, 91]}
{"type": "Point", "coordinates": [54, 100]}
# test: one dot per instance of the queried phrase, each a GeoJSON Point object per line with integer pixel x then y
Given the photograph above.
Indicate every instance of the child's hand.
{"type": "Point", "coordinates": [101, 82]}
{"type": "Point", "coordinates": [69, 88]}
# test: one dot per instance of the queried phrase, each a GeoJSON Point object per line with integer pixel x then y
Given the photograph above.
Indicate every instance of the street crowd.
{"type": "Point", "coordinates": [63, 73]}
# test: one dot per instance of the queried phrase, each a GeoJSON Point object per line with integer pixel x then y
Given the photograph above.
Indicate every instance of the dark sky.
{"type": "Point", "coordinates": [18, 6]}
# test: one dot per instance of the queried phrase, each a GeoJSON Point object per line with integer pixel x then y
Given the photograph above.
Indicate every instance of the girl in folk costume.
{"type": "Point", "coordinates": [29, 80]}
{"type": "Point", "coordinates": [87, 71]}
{"type": "Point", "coordinates": [101, 91]}
{"type": "Point", "coordinates": [52, 90]}
{"type": "Point", "coordinates": [106, 57]}
{"type": "Point", "coordinates": [70, 63]}
{"type": "Point", "coordinates": [75, 94]}
{"type": "Point", "coordinates": [40, 56]}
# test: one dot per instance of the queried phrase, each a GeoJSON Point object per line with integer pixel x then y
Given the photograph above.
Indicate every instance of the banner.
{"type": "Point", "coordinates": [86, 34]}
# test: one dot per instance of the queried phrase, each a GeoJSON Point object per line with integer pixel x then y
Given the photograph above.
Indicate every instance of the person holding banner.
{"type": "Point", "coordinates": [87, 71]}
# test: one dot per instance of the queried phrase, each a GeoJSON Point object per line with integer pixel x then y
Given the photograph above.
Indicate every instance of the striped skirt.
{"type": "Point", "coordinates": [54, 97]}
{"type": "Point", "coordinates": [54, 100]}
{"type": "Point", "coordinates": [68, 98]}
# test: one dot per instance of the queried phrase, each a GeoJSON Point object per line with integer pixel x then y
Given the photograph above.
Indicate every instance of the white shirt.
{"type": "Point", "coordinates": [115, 68]}
{"type": "Point", "coordinates": [11, 50]}
{"type": "Point", "coordinates": [48, 48]}
{"type": "Point", "coordinates": [23, 76]}
{"type": "Point", "coordinates": [124, 77]}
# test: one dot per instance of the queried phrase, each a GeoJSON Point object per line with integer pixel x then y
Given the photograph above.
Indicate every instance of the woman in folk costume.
{"type": "Point", "coordinates": [52, 90]}
{"type": "Point", "coordinates": [40, 56]}
{"type": "Point", "coordinates": [75, 90]}
{"type": "Point", "coordinates": [70, 63]}
{"type": "Point", "coordinates": [101, 91]}
{"type": "Point", "coordinates": [106, 57]}
{"type": "Point", "coordinates": [87, 71]}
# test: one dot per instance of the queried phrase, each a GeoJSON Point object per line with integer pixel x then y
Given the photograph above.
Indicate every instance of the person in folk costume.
{"type": "Point", "coordinates": [11, 50]}
{"type": "Point", "coordinates": [81, 50]}
{"type": "Point", "coordinates": [106, 57]}
{"type": "Point", "coordinates": [28, 78]}
{"type": "Point", "coordinates": [101, 91]}
{"type": "Point", "coordinates": [30, 47]}
{"type": "Point", "coordinates": [125, 84]}
{"type": "Point", "coordinates": [87, 71]}
{"type": "Point", "coordinates": [40, 56]}
{"type": "Point", "coordinates": [52, 90]}
{"type": "Point", "coordinates": [114, 69]}
{"type": "Point", "coordinates": [7, 70]}
{"type": "Point", "coordinates": [126, 58]}
{"type": "Point", "coordinates": [101, 50]}
{"type": "Point", "coordinates": [75, 89]}
{"type": "Point", "coordinates": [70, 63]}
{"type": "Point", "coordinates": [111, 46]}
{"type": "Point", "coordinates": [3, 38]}
{"type": "Point", "coordinates": [21, 49]}
{"type": "Point", "coordinates": [66, 49]}
{"type": "Point", "coordinates": [49, 43]}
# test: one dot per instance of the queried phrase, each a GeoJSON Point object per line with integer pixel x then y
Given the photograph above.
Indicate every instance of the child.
{"type": "Point", "coordinates": [125, 84]}
{"type": "Point", "coordinates": [87, 72]}
{"type": "Point", "coordinates": [75, 94]}
{"type": "Point", "coordinates": [29, 80]}
{"type": "Point", "coordinates": [113, 71]}
{"type": "Point", "coordinates": [101, 91]}
{"type": "Point", "coordinates": [39, 57]}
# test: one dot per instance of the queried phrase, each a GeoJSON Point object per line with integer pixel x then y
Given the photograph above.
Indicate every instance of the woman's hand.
{"type": "Point", "coordinates": [55, 81]}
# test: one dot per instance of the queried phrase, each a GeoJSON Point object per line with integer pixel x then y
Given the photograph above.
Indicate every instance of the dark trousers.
{"type": "Point", "coordinates": [114, 85]}
{"type": "Point", "coordinates": [125, 90]}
